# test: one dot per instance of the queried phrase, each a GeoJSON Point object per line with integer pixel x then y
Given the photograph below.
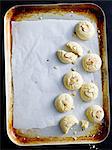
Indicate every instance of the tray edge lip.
{"type": "Point", "coordinates": [105, 41]}
{"type": "Point", "coordinates": [60, 4]}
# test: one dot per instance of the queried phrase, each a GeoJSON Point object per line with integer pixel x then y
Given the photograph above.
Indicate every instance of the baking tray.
{"type": "Point", "coordinates": [30, 12]}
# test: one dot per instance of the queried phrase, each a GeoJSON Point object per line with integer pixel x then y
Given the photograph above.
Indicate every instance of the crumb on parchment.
{"type": "Point", "coordinates": [55, 67]}
{"type": "Point", "coordinates": [89, 51]}
{"type": "Point", "coordinates": [72, 69]}
{"type": "Point", "coordinates": [73, 94]}
{"type": "Point", "coordinates": [47, 60]}
{"type": "Point", "coordinates": [84, 124]}
{"type": "Point", "coordinates": [75, 132]}
{"type": "Point", "coordinates": [40, 18]}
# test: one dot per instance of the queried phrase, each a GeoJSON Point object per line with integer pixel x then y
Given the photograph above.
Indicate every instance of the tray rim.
{"type": "Point", "coordinates": [105, 41]}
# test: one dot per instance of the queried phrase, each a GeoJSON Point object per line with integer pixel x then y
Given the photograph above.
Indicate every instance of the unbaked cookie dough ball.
{"type": "Point", "coordinates": [88, 92]}
{"type": "Point", "coordinates": [66, 57]}
{"type": "Point", "coordinates": [64, 102]}
{"type": "Point", "coordinates": [72, 80]}
{"type": "Point", "coordinates": [85, 30]}
{"type": "Point", "coordinates": [95, 113]}
{"type": "Point", "coordinates": [67, 122]}
{"type": "Point", "coordinates": [91, 62]}
{"type": "Point", "coordinates": [75, 48]}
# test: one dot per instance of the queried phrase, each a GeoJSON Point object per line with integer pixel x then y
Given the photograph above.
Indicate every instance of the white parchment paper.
{"type": "Point", "coordinates": [37, 73]}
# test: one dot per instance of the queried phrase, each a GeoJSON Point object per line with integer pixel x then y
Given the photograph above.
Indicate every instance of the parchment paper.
{"type": "Point", "coordinates": [37, 73]}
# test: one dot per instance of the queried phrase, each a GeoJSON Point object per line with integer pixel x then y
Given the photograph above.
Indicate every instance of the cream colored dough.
{"type": "Point", "coordinates": [66, 57]}
{"type": "Point", "coordinates": [85, 30]}
{"type": "Point", "coordinates": [95, 113]}
{"type": "Point", "coordinates": [88, 92]}
{"type": "Point", "coordinates": [91, 62]}
{"type": "Point", "coordinates": [64, 103]}
{"type": "Point", "coordinates": [84, 124]}
{"type": "Point", "coordinates": [67, 122]}
{"type": "Point", "coordinates": [75, 48]}
{"type": "Point", "coordinates": [72, 80]}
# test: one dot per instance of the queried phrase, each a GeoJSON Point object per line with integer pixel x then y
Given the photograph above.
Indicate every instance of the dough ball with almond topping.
{"type": "Point", "coordinates": [67, 122]}
{"type": "Point", "coordinates": [91, 62]}
{"type": "Point", "coordinates": [64, 103]}
{"type": "Point", "coordinates": [72, 80]}
{"type": "Point", "coordinates": [85, 30]}
{"type": "Point", "coordinates": [66, 57]}
{"type": "Point", "coordinates": [95, 113]}
{"type": "Point", "coordinates": [75, 48]}
{"type": "Point", "coordinates": [88, 92]}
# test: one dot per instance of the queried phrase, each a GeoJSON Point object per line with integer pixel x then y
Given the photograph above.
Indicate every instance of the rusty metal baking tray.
{"type": "Point", "coordinates": [26, 12]}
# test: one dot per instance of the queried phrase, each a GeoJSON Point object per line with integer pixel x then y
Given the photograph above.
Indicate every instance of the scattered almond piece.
{"type": "Point", "coordinates": [73, 94]}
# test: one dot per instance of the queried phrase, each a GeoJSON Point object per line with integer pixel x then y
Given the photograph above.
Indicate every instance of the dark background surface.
{"type": "Point", "coordinates": [6, 144]}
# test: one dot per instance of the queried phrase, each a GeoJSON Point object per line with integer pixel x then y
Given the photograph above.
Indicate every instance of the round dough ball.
{"type": "Point", "coordinates": [64, 102]}
{"type": "Point", "coordinates": [95, 113]}
{"type": "Point", "coordinates": [85, 30]}
{"type": "Point", "coordinates": [66, 57]}
{"type": "Point", "coordinates": [67, 122]}
{"type": "Point", "coordinates": [75, 48]}
{"type": "Point", "coordinates": [91, 62]}
{"type": "Point", "coordinates": [88, 92]}
{"type": "Point", "coordinates": [72, 80]}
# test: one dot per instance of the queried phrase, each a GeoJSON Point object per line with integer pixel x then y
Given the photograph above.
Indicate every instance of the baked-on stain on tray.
{"type": "Point", "coordinates": [22, 12]}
